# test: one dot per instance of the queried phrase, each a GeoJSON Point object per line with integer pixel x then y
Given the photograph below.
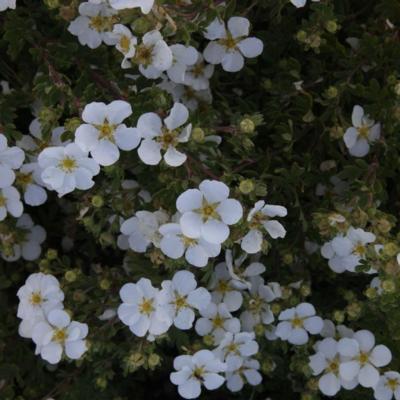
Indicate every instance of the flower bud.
{"type": "Point", "coordinates": [208, 340]}
{"type": "Point", "coordinates": [141, 25]}
{"type": "Point", "coordinates": [97, 201]}
{"type": "Point", "coordinates": [331, 92]}
{"type": "Point", "coordinates": [52, 3]}
{"type": "Point", "coordinates": [101, 382]}
{"type": "Point", "coordinates": [331, 26]}
{"type": "Point", "coordinates": [301, 36]}
{"type": "Point", "coordinates": [388, 286]}
{"type": "Point", "coordinates": [70, 276]}
{"type": "Point", "coordinates": [246, 186]}
{"type": "Point", "coordinates": [51, 254]}
{"type": "Point", "coordinates": [198, 135]}
{"type": "Point", "coordinates": [105, 284]}
{"type": "Point", "coordinates": [338, 316]}
{"type": "Point", "coordinates": [397, 88]}
{"type": "Point", "coordinates": [247, 125]}
{"type": "Point", "coordinates": [153, 360]}
{"type": "Point", "coordinates": [371, 293]}
{"type": "Point", "coordinates": [390, 249]}
{"type": "Point", "coordinates": [259, 330]}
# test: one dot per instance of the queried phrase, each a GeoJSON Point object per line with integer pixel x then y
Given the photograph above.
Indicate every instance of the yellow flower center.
{"type": "Point", "coordinates": [68, 164]}
{"type": "Point", "coordinates": [144, 55]}
{"type": "Point", "coordinates": [229, 42]}
{"type": "Point", "coordinates": [363, 358]}
{"type": "Point", "coordinates": [256, 304]}
{"type": "Point", "coordinates": [392, 384]}
{"type": "Point", "coordinates": [218, 321]}
{"type": "Point", "coordinates": [232, 348]}
{"type": "Point", "coordinates": [3, 201]}
{"type": "Point", "coordinates": [24, 179]}
{"type": "Point", "coordinates": [101, 24]}
{"type": "Point", "coordinates": [223, 287]}
{"type": "Point", "coordinates": [188, 242]}
{"type": "Point", "coordinates": [146, 307]}
{"type": "Point", "coordinates": [363, 131]}
{"type": "Point", "coordinates": [360, 249]}
{"type": "Point", "coordinates": [106, 130]}
{"type": "Point", "coordinates": [257, 220]}
{"type": "Point", "coordinates": [333, 366]}
{"type": "Point", "coordinates": [168, 138]}
{"type": "Point", "coordinates": [36, 299]}
{"type": "Point", "coordinates": [180, 302]}
{"type": "Point", "coordinates": [297, 322]}
{"type": "Point", "coordinates": [125, 43]}
{"type": "Point", "coordinates": [198, 373]}
{"type": "Point", "coordinates": [59, 335]}
{"type": "Point", "coordinates": [208, 210]}
{"type": "Point", "coordinates": [198, 70]}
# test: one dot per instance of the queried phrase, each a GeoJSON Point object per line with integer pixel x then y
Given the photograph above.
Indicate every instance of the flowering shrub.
{"type": "Point", "coordinates": [198, 198]}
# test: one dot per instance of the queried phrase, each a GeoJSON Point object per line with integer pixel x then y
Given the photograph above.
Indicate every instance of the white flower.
{"type": "Point", "coordinates": [388, 386]}
{"type": "Point", "coordinates": [330, 330]}
{"type": "Point", "coordinates": [297, 323]}
{"type": "Point", "coordinates": [59, 334]}
{"type": "Point", "coordinates": [241, 344]}
{"type": "Point", "coordinates": [180, 297]}
{"type": "Point", "coordinates": [182, 58]}
{"type": "Point", "coordinates": [36, 141]}
{"type": "Point", "coordinates": [198, 75]}
{"type": "Point", "coordinates": [165, 136]}
{"type": "Point", "coordinates": [10, 202]}
{"type": "Point", "coordinates": [346, 252]}
{"type": "Point", "coordinates": [229, 46]}
{"type": "Point", "coordinates": [259, 218]}
{"type": "Point", "coordinates": [67, 168]}
{"type": "Point", "coordinates": [241, 370]}
{"type": "Point", "coordinates": [202, 368]}
{"type": "Point", "coordinates": [29, 181]}
{"type": "Point", "coordinates": [142, 229]}
{"type": "Point", "coordinates": [104, 133]}
{"type": "Point", "coordinates": [327, 362]}
{"type": "Point", "coordinates": [10, 158]}
{"type": "Point", "coordinates": [363, 132]}
{"type": "Point", "coordinates": [40, 294]}
{"type": "Point", "coordinates": [140, 309]}
{"type": "Point", "coordinates": [240, 277]}
{"type": "Point", "coordinates": [153, 55]}
{"type": "Point", "coordinates": [301, 3]}
{"type": "Point", "coordinates": [29, 246]}
{"type": "Point", "coordinates": [216, 321]}
{"type": "Point", "coordinates": [223, 290]}
{"type": "Point", "coordinates": [4, 4]}
{"type": "Point", "coordinates": [363, 358]}
{"type": "Point", "coordinates": [94, 24]}
{"type": "Point", "coordinates": [174, 244]}
{"type": "Point", "coordinates": [258, 309]}
{"type": "Point", "coordinates": [207, 211]}
{"type": "Point", "coordinates": [376, 284]}
{"type": "Point", "coordinates": [125, 42]}
{"type": "Point", "coordinates": [144, 5]}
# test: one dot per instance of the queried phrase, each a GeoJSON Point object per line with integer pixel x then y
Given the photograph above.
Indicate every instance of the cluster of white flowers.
{"type": "Point", "coordinates": [363, 133]}
{"type": "Point", "coordinates": [353, 359]}
{"type": "Point", "coordinates": [346, 252]}
{"type": "Point", "coordinates": [44, 320]}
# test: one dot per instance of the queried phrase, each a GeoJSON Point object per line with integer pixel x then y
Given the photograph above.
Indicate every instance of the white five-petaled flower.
{"type": "Point", "coordinates": [228, 47]}
{"type": "Point", "coordinates": [140, 309]}
{"type": "Point", "coordinates": [301, 3]}
{"type": "Point", "coordinates": [216, 320]}
{"type": "Point", "coordinates": [10, 202]}
{"type": "Point", "coordinates": [164, 136]}
{"type": "Point", "coordinates": [93, 25]}
{"type": "Point", "coordinates": [174, 244]}
{"type": "Point", "coordinates": [258, 219]}
{"type": "Point", "coordinates": [29, 181]}
{"type": "Point", "coordinates": [180, 297]}
{"type": "Point", "coordinates": [183, 57]}
{"type": "Point", "coordinates": [241, 370]}
{"type": "Point", "coordinates": [363, 132]}
{"type": "Point", "coordinates": [125, 42]}
{"type": "Point", "coordinates": [203, 368]}
{"type": "Point", "coordinates": [223, 289]}
{"type": "Point", "coordinates": [11, 158]}
{"type": "Point", "coordinates": [59, 334]}
{"type": "Point", "coordinates": [4, 4]}
{"type": "Point", "coordinates": [40, 294]}
{"type": "Point", "coordinates": [67, 168]}
{"type": "Point", "coordinates": [363, 358]}
{"type": "Point", "coordinates": [104, 133]}
{"type": "Point", "coordinates": [326, 362]}
{"type": "Point", "coordinates": [297, 322]}
{"type": "Point", "coordinates": [207, 211]}
{"type": "Point", "coordinates": [144, 5]}
{"type": "Point", "coordinates": [142, 229]}
{"type": "Point", "coordinates": [31, 238]}
{"type": "Point", "coordinates": [241, 344]}
{"type": "Point", "coordinates": [153, 55]}
{"type": "Point", "coordinates": [258, 309]}
{"type": "Point", "coordinates": [198, 75]}
{"type": "Point", "coordinates": [346, 252]}
{"type": "Point", "coordinates": [388, 386]}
